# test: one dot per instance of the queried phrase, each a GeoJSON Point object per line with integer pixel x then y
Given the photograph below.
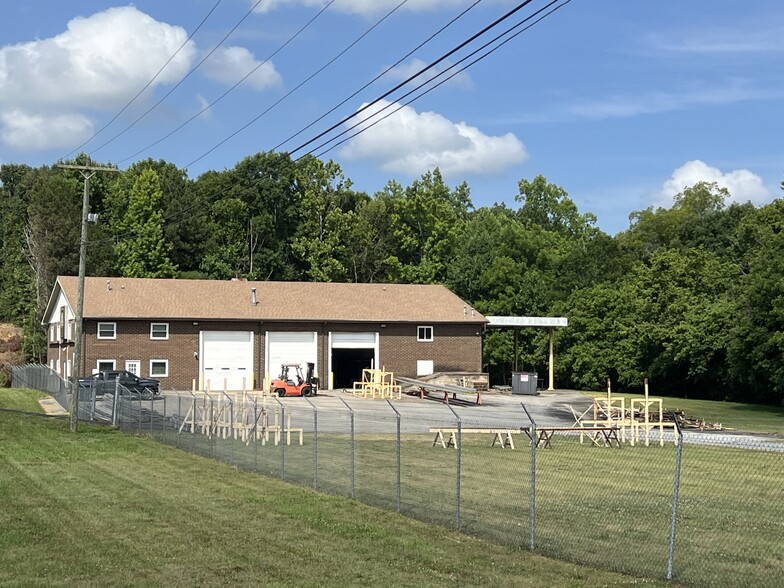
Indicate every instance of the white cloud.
{"type": "Point", "coordinates": [228, 65]}
{"type": "Point", "coordinates": [408, 69]}
{"type": "Point", "coordinates": [31, 132]}
{"type": "Point", "coordinates": [205, 112]}
{"type": "Point", "coordinates": [626, 106]}
{"type": "Point", "coordinates": [742, 184]}
{"type": "Point", "coordinates": [413, 143]}
{"type": "Point", "coordinates": [99, 62]}
{"type": "Point", "coordinates": [747, 38]}
{"type": "Point", "coordinates": [363, 6]}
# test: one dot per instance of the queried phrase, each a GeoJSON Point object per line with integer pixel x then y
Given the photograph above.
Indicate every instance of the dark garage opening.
{"type": "Point", "coordinates": [347, 366]}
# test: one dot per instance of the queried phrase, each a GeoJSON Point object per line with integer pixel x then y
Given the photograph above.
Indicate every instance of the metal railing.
{"type": "Point", "coordinates": [703, 508]}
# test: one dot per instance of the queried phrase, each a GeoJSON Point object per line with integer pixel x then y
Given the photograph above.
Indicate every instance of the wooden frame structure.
{"type": "Point", "coordinates": [377, 383]}
{"type": "Point", "coordinates": [237, 415]}
{"type": "Point", "coordinates": [502, 437]}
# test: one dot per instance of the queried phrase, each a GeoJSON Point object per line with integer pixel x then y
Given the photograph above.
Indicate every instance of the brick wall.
{"type": "Point", "coordinates": [455, 347]}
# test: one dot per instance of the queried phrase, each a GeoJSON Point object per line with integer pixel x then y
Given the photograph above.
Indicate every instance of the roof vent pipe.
{"type": "Point", "coordinates": [464, 310]}
{"type": "Point", "coordinates": [472, 313]}
{"type": "Point", "coordinates": [253, 299]}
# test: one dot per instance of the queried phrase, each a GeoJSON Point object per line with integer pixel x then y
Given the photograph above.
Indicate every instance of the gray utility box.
{"type": "Point", "coordinates": [524, 383]}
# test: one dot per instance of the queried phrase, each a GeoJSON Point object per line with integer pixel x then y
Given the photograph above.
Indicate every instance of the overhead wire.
{"type": "Point", "coordinates": [440, 74]}
{"type": "Point", "coordinates": [171, 221]}
{"type": "Point", "coordinates": [298, 86]}
{"type": "Point", "coordinates": [232, 88]}
{"type": "Point", "coordinates": [178, 84]}
{"type": "Point", "coordinates": [379, 76]}
{"type": "Point", "coordinates": [433, 64]}
{"type": "Point", "coordinates": [148, 84]}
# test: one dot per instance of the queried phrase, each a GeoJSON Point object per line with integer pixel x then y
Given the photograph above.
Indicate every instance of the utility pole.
{"type": "Point", "coordinates": [87, 171]}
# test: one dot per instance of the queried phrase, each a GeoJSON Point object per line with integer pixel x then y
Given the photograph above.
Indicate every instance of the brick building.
{"type": "Point", "coordinates": [240, 332]}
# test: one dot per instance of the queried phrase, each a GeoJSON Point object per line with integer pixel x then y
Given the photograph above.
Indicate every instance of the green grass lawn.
{"type": "Point", "coordinates": [105, 508]}
{"type": "Point", "coordinates": [609, 508]}
{"type": "Point", "coordinates": [754, 418]}
{"type": "Point", "coordinates": [19, 399]}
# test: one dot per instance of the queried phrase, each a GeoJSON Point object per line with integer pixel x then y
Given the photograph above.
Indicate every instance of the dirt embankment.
{"type": "Point", "coordinates": [10, 351]}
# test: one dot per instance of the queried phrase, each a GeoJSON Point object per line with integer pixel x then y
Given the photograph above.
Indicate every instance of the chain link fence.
{"type": "Point", "coordinates": [706, 509]}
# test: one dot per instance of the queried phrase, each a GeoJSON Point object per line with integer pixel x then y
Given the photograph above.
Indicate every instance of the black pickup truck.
{"type": "Point", "coordinates": [105, 383]}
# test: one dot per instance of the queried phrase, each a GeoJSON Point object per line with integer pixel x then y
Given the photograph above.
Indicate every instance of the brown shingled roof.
{"type": "Point", "coordinates": [296, 301]}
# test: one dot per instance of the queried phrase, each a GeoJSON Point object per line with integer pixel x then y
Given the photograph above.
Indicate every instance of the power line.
{"type": "Point", "coordinates": [222, 96]}
{"type": "Point", "coordinates": [148, 84]}
{"type": "Point", "coordinates": [302, 83]}
{"type": "Point", "coordinates": [215, 196]}
{"type": "Point", "coordinates": [178, 84]}
{"type": "Point", "coordinates": [442, 73]}
{"type": "Point", "coordinates": [417, 74]}
{"type": "Point", "coordinates": [379, 76]}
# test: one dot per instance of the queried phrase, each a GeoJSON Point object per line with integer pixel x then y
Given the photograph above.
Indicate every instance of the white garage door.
{"type": "Point", "coordinates": [354, 340]}
{"type": "Point", "coordinates": [290, 348]}
{"type": "Point", "coordinates": [226, 356]}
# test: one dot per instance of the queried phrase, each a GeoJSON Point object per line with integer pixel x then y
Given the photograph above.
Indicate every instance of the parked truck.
{"type": "Point", "coordinates": [105, 382]}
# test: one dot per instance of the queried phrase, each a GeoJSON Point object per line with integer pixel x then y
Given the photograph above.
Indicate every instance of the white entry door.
{"type": "Point", "coordinates": [283, 347]}
{"type": "Point", "coordinates": [226, 359]}
{"type": "Point", "coordinates": [134, 366]}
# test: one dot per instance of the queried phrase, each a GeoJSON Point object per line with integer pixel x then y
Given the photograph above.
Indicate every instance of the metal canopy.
{"type": "Point", "coordinates": [515, 322]}
{"type": "Point", "coordinates": [526, 321]}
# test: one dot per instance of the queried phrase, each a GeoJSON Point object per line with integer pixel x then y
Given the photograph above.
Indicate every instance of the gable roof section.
{"type": "Point", "coordinates": [147, 298]}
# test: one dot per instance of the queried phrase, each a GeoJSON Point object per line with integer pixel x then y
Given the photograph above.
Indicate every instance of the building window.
{"type": "Point", "coordinates": [159, 368]}
{"type": "Point", "coordinates": [159, 330]}
{"type": "Point", "coordinates": [107, 330]}
{"type": "Point", "coordinates": [424, 333]}
{"type": "Point", "coordinates": [105, 365]}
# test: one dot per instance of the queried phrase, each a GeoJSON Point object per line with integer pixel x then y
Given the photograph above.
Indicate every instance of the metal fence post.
{"type": "Point", "coordinates": [532, 512]}
{"type": "Point", "coordinates": [254, 431]}
{"type": "Point", "coordinates": [315, 444]}
{"type": "Point", "coordinates": [92, 404]}
{"type": "Point", "coordinates": [179, 417]}
{"type": "Point", "coordinates": [675, 493]}
{"type": "Point", "coordinates": [152, 415]}
{"type": "Point", "coordinates": [231, 427]}
{"type": "Point", "coordinates": [398, 453]}
{"type": "Point", "coordinates": [114, 401]}
{"type": "Point", "coordinates": [353, 449]}
{"type": "Point", "coordinates": [279, 432]}
{"type": "Point", "coordinates": [163, 425]}
{"type": "Point", "coordinates": [459, 464]}
{"type": "Point", "coordinates": [139, 417]}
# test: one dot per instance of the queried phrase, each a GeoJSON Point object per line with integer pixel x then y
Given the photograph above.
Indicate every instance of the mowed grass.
{"type": "Point", "coordinates": [753, 418]}
{"type": "Point", "coordinates": [604, 507]}
{"type": "Point", "coordinates": [105, 508]}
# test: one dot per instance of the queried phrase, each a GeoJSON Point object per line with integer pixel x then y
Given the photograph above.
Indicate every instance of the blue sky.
{"type": "Point", "coordinates": [622, 103]}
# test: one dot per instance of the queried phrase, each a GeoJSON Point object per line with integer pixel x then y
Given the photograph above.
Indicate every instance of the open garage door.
{"type": "Point", "coordinates": [350, 353]}
{"type": "Point", "coordinates": [226, 356]}
{"type": "Point", "coordinates": [283, 347]}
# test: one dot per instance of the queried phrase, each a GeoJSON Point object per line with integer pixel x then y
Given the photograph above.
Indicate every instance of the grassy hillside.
{"type": "Point", "coordinates": [103, 508]}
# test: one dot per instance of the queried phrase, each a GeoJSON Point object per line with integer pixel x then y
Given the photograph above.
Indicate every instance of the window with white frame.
{"type": "Point", "coordinates": [159, 368]}
{"type": "Point", "coordinates": [424, 333]}
{"type": "Point", "coordinates": [105, 365]}
{"type": "Point", "coordinates": [159, 330]}
{"type": "Point", "coordinates": [107, 330]}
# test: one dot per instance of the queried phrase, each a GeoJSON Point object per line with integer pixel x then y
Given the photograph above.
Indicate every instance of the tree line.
{"type": "Point", "coordinates": [691, 296]}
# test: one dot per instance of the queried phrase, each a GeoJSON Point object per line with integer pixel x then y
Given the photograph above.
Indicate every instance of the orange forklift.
{"type": "Point", "coordinates": [291, 383]}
